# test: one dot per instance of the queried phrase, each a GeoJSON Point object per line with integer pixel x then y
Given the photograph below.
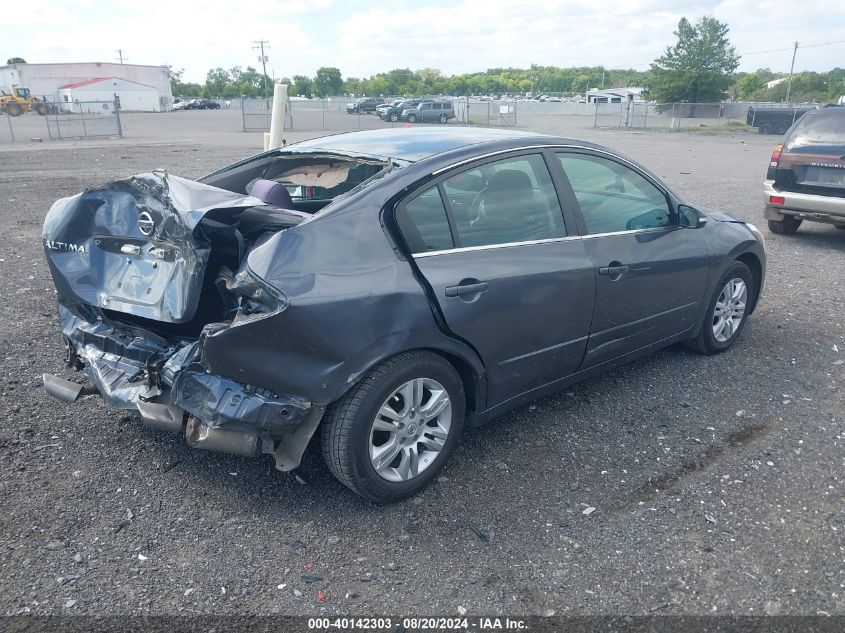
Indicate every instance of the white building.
{"type": "Point", "coordinates": [614, 95]}
{"type": "Point", "coordinates": [774, 82]}
{"type": "Point", "coordinates": [97, 96]}
{"type": "Point", "coordinates": [45, 80]}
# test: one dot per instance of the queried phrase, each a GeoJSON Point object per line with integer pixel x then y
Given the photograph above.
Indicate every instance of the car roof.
{"type": "Point", "coordinates": [410, 144]}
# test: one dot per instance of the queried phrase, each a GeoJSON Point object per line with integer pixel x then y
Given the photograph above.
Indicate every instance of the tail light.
{"type": "Point", "coordinates": [773, 162]}
{"type": "Point", "coordinates": [777, 200]}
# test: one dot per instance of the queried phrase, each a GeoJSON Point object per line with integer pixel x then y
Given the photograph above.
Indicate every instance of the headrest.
{"type": "Point", "coordinates": [271, 192]}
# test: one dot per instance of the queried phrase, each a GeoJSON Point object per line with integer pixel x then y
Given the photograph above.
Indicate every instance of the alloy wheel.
{"type": "Point", "coordinates": [730, 309]}
{"type": "Point", "coordinates": [410, 429]}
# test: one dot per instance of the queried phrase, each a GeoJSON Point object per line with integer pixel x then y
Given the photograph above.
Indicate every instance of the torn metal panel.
{"type": "Point", "coordinates": [136, 246]}
{"type": "Point", "coordinates": [219, 401]}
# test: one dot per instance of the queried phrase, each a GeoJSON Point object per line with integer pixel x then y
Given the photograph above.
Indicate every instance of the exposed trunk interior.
{"type": "Point", "coordinates": [189, 260]}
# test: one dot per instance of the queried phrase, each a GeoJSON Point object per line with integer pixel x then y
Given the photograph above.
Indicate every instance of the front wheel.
{"type": "Point", "coordinates": [394, 117]}
{"type": "Point", "coordinates": [727, 311]}
{"type": "Point", "coordinates": [787, 226]}
{"type": "Point", "coordinates": [443, 118]}
{"type": "Point", "coordinates": [391, 434]}
{"type": "Point", "coordinates": [412, 118]}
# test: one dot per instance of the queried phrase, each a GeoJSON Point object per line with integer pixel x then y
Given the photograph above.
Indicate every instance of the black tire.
{"type": "Point", "coordinates": [14, 109]}
{"type": "Point", "coordinates": [765, 128]}
{"type": "Point", "coordinates": [345, 430]}
{"type": "Point", "coordinates": [412, 118]}
{"type": "Point", "coordinates": [705, 342]}
{"type": "Point", "coordinates": [394, 117]}
{"type": "Point", "coordinates": [788, 226]}
{"type": "Point", "coordinates": [781, 129]}
{"type": "Point", "coordinates": [42, 108]}
{"type": "Point", "coordinates": [443, 118]}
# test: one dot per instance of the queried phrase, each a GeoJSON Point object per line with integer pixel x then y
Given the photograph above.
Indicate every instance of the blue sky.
{"type": "Point", "coordinates": [362, 38]}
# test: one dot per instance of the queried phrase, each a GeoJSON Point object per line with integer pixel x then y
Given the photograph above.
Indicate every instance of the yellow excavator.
{"type": "Point", "coordinates": [21, 100]}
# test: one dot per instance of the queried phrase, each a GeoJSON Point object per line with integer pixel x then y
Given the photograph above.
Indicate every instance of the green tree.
{"type": "Point", "coordinates": [216, 81]}
{"type": "Point", "coordinates": [328, 82]}
{"type": "Point", "coordinates": [749, 85]}
{"type": "Point", "coordinates": [302, 86]}
{"type": "Point", "coordinates": [181, 88]}
{"type": "Point", "coordinates": [699, 67]}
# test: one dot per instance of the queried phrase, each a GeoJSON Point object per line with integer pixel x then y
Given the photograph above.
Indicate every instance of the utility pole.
{"type": "Point", "coordinates": [791, 68]}
{"type": "Point", "coordinates": [259, 45]}
{"type": "Point", "coordinates": [120, 55]}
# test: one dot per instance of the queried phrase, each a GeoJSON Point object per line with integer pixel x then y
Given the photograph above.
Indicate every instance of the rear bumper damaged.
{"type": "Point", "coordinates": [170, 388]}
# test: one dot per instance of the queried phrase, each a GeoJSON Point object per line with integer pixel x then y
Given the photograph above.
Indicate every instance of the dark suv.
{"type": "Point", "coordinates": [394, 112]}
{"type": "Point", "coordinates": [202, 104]}
{"type": "Point", "coordinates": [364, 104]}
{"type": "Point", "coordinates": [806, 177]}
{"type": "Point", "coordinates": [428, 112]}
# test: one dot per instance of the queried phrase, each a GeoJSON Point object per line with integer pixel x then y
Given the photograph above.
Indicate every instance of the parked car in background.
{"type": "Point", "coordinates": [363, 105]}
{"type": "Point", "coordinates": [388, 104]}
{"type": "Point", "coordinates": [774, 120]}
{"type": "Point", "coordinates": [449, 276]}
{"type": "Point", "coordinates": [394, 112]}
{"type": "Point", "coordinates": [429, 112]}
{"type": "Point", "coordinates": [178, 104]}
{"type": "Point", "coordinates": [806, 175]}
{"type": "Point", "coordinates": [202, 104]}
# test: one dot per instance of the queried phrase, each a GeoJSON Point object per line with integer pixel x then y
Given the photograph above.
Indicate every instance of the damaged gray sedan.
{"type": "Point", "coordinates": [382, 290]}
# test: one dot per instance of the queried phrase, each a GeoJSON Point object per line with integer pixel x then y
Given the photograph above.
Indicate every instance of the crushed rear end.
{"type": "Point", "coordinates": [147, 269]}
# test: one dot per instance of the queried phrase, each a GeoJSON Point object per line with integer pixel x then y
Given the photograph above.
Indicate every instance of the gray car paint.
{"type": "Point", "coordinates": [353, 295]}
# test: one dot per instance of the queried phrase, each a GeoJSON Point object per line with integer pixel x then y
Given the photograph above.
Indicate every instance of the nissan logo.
{"type": "Point", "coordinates": [145, 223]}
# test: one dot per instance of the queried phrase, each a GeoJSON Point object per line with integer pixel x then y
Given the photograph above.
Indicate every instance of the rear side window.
{"type": "Point", "coordinates": [506, 201]}
{"type": "Point", "coordinates": [820, 128]}
{"type": "Point", "coordinates": [424, 223]}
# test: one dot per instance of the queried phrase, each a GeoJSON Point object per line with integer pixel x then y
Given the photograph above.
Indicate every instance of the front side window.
{"type": "Point", "coordinates": [614, 197]}
{"type": "Point", "coordinates": [424, 223]}
{"type": "Point", "coordinates": [505, 201]}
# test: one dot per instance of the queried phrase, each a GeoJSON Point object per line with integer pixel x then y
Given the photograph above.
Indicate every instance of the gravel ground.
{"type": "Point", "coordinates": [716, 481]}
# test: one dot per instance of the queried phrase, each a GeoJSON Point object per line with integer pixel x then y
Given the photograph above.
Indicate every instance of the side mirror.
{"type": "Point", "coordinates": [690, 217]}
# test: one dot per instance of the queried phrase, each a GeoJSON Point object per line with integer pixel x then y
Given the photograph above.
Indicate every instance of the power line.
{"type": "Point", "coordinates": [771, 50]}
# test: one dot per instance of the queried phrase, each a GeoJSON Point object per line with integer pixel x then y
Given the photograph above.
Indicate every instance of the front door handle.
{"type": "Point", "coordinates": [614, 270]}
{"type": "Point", "coordinates": [466, 287]}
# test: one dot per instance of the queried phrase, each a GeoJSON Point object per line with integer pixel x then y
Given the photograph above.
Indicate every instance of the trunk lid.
{"type": "Point", "coordinates": [140, 245]}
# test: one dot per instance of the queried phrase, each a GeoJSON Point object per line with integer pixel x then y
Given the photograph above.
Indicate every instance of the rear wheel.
{"type": "Point", "coordinates": [41, 108]}
{"type": "Point", "coordinates": [391, 434]}
{"type": "Point", "coordinates": [412, 118]}
{"type": "Point", "coordinates": [781, 129]}
{"type": "Point", "coordinates": [727, 311]}
{"type": "Point", "coordinates": [394, 117]}
{"type": "Point", "coordinates": [787, 226]}
{"type": "Point", "coordinates": [14, 109]}
{"type": "Point", "coordinates": [443, 118]}
{"type": "Point", "coordinates": [765, 128]}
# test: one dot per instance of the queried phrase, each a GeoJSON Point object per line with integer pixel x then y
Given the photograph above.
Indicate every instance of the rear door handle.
{"type": "Point", "coordinates": [471, 288]}
{"type": "Point", "coordinates": [615, 270]}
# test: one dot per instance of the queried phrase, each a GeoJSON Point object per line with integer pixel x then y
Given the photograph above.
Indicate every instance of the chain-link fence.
{"type": "Point", "coordinates": [70, 120]}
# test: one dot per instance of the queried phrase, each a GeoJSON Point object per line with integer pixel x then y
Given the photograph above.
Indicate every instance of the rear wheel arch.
{"type": "Point", "coordinates": [469, 370]}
